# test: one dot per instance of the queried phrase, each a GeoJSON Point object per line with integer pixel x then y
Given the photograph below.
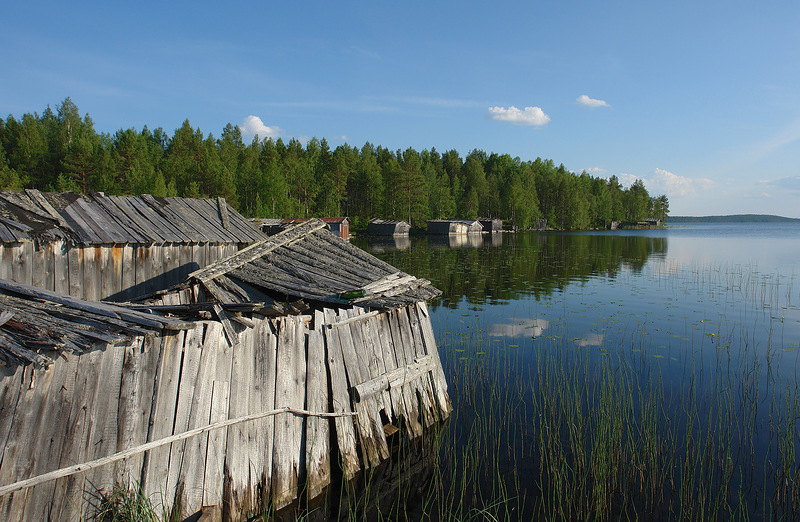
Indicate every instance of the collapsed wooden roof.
{"type": "Point", "coordinates": [37, 325]}
{"type": "Point", "coordinates": [307, 261]}
{"type": "Point", "coordinates": [97, 218]}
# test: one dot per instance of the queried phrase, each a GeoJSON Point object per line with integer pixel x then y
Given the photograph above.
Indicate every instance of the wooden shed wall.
{"type": "Point", "coordinates": [117, 271]}
{"type": "Point", "coordinates": [347, 362]}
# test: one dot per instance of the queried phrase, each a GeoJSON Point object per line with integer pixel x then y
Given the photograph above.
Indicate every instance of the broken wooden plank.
{"type": "Point", "coordinates": [317, 429]}
{"type": "Point", "coordinates": [345, 430]}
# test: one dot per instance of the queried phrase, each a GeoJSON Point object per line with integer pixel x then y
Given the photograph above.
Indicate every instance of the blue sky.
{"type": "Point", "coordinates": [699, 99]}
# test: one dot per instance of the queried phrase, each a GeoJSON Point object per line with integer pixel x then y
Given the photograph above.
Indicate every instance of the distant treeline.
{"type": "Point", "coordinates": [737, 218]}
{"type": "Point", "coordinates": [60, 151]}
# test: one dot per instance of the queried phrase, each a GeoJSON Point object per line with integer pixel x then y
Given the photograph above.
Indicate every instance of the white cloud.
{"type": "Point", "coordinates": [252, 126]}
{"type": "Point", "coordinates": [788, 183]}
{"type": "Point", "coordinates": [521, 328]}
{"type": "Point", "coordinates": [675, 185]}
{"type": "Point", "coordinates": [591, 102]}
{"type": "Point", "coordinates": [665, 182]}
{"type": "Point", "coordinates": [595, 171]}
{"type": "Point", "coordinates": [626, 180]}
{"type": "Point", "coordinates": [528, 116]}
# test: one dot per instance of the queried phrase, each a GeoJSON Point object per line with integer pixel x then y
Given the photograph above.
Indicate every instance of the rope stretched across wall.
{"type": "Point", "coordinates": [102, 461]}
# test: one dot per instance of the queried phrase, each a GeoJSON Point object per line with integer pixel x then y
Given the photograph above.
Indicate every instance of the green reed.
{"type": "Point", "coordinates": [702, 426]}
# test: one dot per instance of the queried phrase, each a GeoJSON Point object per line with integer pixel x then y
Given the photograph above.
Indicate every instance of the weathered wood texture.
{"type": "Point", "coordinates": [97, 219]}
{"type": "Point", "coordinates": [107, 271]}
{"type": "Point", "coordinates": [370, 367]}
{"type": "Point", "coordinates": [306, 261]}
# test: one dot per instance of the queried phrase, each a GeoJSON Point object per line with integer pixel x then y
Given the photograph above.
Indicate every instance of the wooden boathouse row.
{"type": "Point", "coordinates": [352, 349]}
{"type": "Point", "coordinates": [96, 247]}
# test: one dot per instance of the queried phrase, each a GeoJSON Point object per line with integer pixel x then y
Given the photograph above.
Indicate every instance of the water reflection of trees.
{"type": "Point", "coordinates": [523, 264]}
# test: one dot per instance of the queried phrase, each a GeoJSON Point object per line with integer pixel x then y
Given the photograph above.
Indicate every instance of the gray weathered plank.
{"type": "Point", "coordinates": [340, 396]}
{"type": "Point", "coordinates": [156, 467]}
{"type": "Point", "coordinates": [215, 457]}
{"type": "Point", "coordinates": [289, 391]}
{"type": "Point", "coordinates": [317, 428]}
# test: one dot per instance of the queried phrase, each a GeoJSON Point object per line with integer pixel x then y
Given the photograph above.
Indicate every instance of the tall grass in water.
{"type": "Point", "coordinates": [561, 433]}
{"type": "Point", "coordinates": [706, 428]}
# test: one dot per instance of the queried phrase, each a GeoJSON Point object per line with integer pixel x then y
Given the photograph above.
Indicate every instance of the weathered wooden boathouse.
{"type": "Point", "coordinates": [454, 226]}
{"type": "Point", "coordinates": [491, 225]}
{"type": "Point", "coordinates": [96, 247]}
{"type": "Point", "coordinates": [259, 378]}
{"type": "Point", "coordinates": [387, 227]}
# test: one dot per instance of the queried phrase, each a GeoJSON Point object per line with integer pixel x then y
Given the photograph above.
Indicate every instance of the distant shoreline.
{"type": "Point", "coordinates": [736, 218]}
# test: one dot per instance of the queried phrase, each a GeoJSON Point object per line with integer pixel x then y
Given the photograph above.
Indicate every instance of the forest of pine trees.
{"type": "Point", "coordinates": [60, 151]}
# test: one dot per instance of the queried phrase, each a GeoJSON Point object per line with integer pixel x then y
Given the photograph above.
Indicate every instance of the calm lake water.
{"type": "Point", "coordinates": [702, 318]}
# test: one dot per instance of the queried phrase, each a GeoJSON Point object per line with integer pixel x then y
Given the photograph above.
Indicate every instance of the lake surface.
{"type": "Point", "coordinates": [573, 358]}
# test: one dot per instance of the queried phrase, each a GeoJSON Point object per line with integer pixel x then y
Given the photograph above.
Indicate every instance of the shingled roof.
{"type": "Point", "coordinates": [97, 219]}
{"type": "Point", "coordinates": [307, 261]}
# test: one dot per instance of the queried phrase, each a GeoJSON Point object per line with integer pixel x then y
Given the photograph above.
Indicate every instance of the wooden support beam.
{"type": "Point", "coordinates": [395, 378]}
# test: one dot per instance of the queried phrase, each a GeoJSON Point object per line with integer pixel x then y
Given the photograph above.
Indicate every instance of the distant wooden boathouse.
{"type": "Point", "coordinates": [260, 376]}
{"type": "Point", "coordinates": [454, 226]}
{"type": "Point", "coordinates": [387, 227]}
{"type": "Point", "coordinates": [491, 225]}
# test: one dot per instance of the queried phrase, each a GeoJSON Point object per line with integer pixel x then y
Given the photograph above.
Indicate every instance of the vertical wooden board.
{"type": "Point", "coordinates": [427, 383]}
{"type": "Point", "coordinates": [69, 490]}
{"type": "Point", "coordinates": [289, 392]}
{"type": "Point", "coordinates": [166, 259]}
{"type": "Point", "coordinates": [194, 456]}
{"type": "Point", "coordinates": [254, 338]}
{"type": "Point", "coordinates": [317, 428]}
{"type": "Point", "coordinates": [20, 449]}
{"type": "Point", "coordinates": [148, 252]}
{"type": "Point", "coordinates": [52, 441]}
{"type": "Point", "coordinates": [155, 278]}
{"type": "Point", "coordinates": [372, 354]}
{"type": "Point", "coordinates": [198, 254]}
{"type": "Point", "coordinates": [130, 422]}
{"type": "Point", "coordinates": [239, 492]}
{"type": "Point", "coordinates": [298, 397]}
{"type": "Point", "coordinates": [103, 436]}
{"type": "Point", "coordinates": [340, 397]}
{"type": "Point", "coordinates": [112, 270]}
{"type": "Point", "coordinates": [91, 273]}
{"type": "Point", "coordinates": [22, 267]}
{"type": "Point", "coordinates": [215, 457]}
{"type": "Point", "coordinates": [420, 390]}
{"type": "Point", "coordinates": [254, 437]}
{"type": "Point", "coordinates": [141, 256]}
{"type": "Point", "coordinates": [384, 334]}
{"type": "Point", "coordinates": [128, 272]}
{"type": "Point", "coordinates": [99, 379]}
{"type": "Point", "coordinates": [75, 261]}
{"type": "Point", "coordinates": [373, 340]}
{"type": "Point", "coordinates": [268, 344]}
{"type": "Point", "coordinates": [5, 265]}
{"type": "Point", "coordinates": [185, 261]}
{"type": "Point", "coordinates": [40, 276]}
{"type": "Point", "coordinates": [370, 404]}
{"type": "Point", "coordinates": [10, 390]}
{"type": "Point", "coordinates": [445, 407]}
{"type": "Point", "coordinates": [369, 447]}
{"type": "Point", "coordinates": [410, 408]}
{"type": "Point", "coordinates": [192, 352]}
{"type": "Point", "coordinates": [60, 253]}
{"type": "Point", "coordinates": [155, 470]}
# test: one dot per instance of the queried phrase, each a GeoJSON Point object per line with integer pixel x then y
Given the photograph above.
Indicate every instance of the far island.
{"type": "Point", "coordinates": [736, 218]}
